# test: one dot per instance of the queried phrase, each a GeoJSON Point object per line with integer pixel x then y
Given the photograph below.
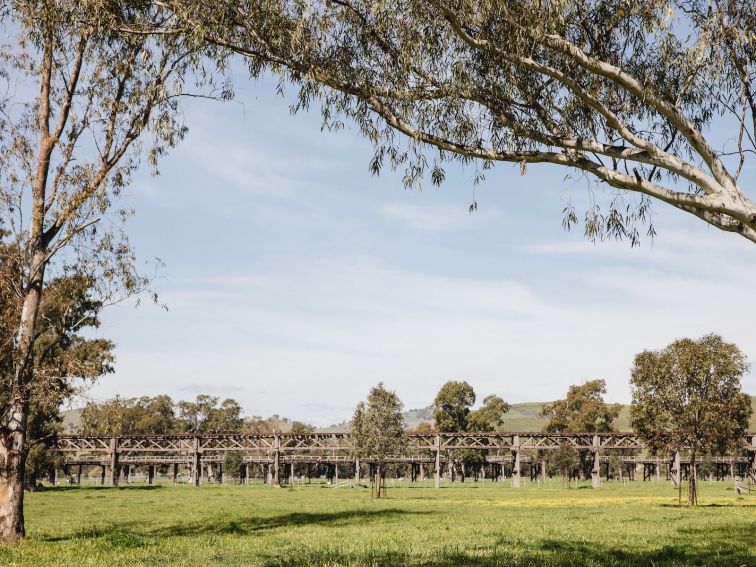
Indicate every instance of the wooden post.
{"type": "Point", "coordinates": [102, 475]}
{"type": "Point", "coordinates": [356, 472]}
{"type": "Point", "coordinates": [276, 461]}
{"type": "Point", "coordinates": [114, 461]}
{"type": "Point", "coordinates": [126, 474]}
{"type": "Point", "coordinates": [596, 468]}
{"type": "Point", "coordinates": [675, 472]}
{"type": "Point", "coordinates": [196, 461]}
{"type": "Point", "coordinates": [175, 473]}
{"type": "Point", "coordinates": [516, 461]}
{"type": "Point", "coordinates": [291, 473]}
{"type": "Point", "coordinates": [752, 455]}
{"type": "Point", "coordinates": [543, 470]}
{"type": "Point", "coordinates": [421, 467]}
{"type": "Point", "coordinates": [437, 449]}
{"type": "Point", "coordinates": [151, 474]}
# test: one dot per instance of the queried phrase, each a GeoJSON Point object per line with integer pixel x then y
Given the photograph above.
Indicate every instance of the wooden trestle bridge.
{"type": "Point", "coordinates": [274, 452]}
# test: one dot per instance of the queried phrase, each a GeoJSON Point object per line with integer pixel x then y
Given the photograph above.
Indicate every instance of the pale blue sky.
{"type": "Point", "coordinates": [295, 280]}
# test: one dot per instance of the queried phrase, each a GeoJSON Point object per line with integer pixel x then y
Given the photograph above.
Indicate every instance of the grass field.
{"type": "Point", "coordinates": [468, 524]}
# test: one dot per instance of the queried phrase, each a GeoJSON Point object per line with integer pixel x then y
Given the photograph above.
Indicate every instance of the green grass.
{"type": "Point", "coordinates": [461, 525]}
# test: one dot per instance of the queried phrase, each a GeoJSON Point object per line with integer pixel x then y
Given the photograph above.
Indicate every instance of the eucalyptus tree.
{"type": "Point", "coordinates": [65, 360]}
{"type": "Point", "coordinates": [130, 416]}
{"type": "Point", "coordinates": [452, 406]}
{"type": "Point", "coordinates": [652, 101]}
{"type": "Point", "coordinates": [452, 412]}
{"type": "Point", "coordinates": [687, 397]}
{"type": "Point", "coordinates": [208, 414]}
{"type": "Point", "coordinates": [378, 432]}
{"type": "Point", "coordinates": [582, 411]}
{"type": "Point", "coordinates": [76, 98]}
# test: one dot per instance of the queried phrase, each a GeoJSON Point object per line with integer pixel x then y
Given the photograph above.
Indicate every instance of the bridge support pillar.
{"type": "Point", "coordinates": [102, 474]}
{"type": "Point", "coordinates": [516, 462]}
{"type": "Point", "coordinates": [437, 471]}
{"type": "Point", "coordinates": [543, 470]}
{"type": "Point", "coordinates": [114, 461]}
{"type": "Point", "coordinates": [752, 455]}
{"type": "Point", "coordinates": [151, 474]}
{"type": "Point", "coordinates": [356, 472]}
{"type": "Point", "coordinates": [175, 473]}
{"type": "Point", "coordinates": [675, 471]}
{"type": "Point", "coordinates": [78, 476]}
{"type": "Point", "coordinates": [596, 467]}
{"type": "Point", "coordinates": [276, 462]}
{"type": "Point", "coordinates": [196, 462]}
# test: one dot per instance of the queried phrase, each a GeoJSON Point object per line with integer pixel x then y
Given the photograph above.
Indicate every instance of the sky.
{"type": "Point", "coordinates": [294, 280]}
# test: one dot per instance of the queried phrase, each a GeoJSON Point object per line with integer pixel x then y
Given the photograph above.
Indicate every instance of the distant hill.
{"type": "Point", "coordinates": [522, 417]}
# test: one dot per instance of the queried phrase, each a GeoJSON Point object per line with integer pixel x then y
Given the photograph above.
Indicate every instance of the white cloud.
{"type": "Point", "coordinates": [433, 217]}
{"type": "Point", "coordinates": [317, 332]}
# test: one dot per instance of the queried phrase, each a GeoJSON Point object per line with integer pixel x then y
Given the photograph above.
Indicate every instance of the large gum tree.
{"type": "Point", "coordinates": [76, 98]}
{"type": "Point", "coordinates": [653, 101]}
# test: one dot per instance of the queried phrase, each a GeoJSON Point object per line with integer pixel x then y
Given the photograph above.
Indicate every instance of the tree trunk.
{"type": "Point", "coordinates": [380, 491]}
{"type": "Point", "coordinates": [692, 482]}
{"type": "Point", "coordinates": [12, 468]}
{"type": "Point", "coordinates": [13, 426]}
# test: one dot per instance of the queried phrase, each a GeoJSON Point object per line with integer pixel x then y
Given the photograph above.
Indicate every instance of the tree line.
{"type": "Point", "coordinates": [686, 398]}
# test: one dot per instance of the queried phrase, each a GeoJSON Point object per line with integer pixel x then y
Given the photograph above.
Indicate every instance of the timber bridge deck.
{"type": "Point", "coordinates": [275, 451]}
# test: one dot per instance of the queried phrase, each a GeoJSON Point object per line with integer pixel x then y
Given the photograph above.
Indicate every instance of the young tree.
{"type": "Point", "coordinates": [622, 94]}
{"type": "Point", "coordinates": [582, 411]}
{"type": "Point", "coordinates": [67, 150]}
{"type": "Point", "coordinates": [378, 431]}
{"type": "Point", "coordinates": [687, 397]}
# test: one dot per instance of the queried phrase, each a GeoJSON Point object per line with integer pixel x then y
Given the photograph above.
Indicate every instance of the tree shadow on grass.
{"type": "Point", "coordinates": [96, 488]}
{"type": "Point", "coordinates": [253, 524]}
{"type": "Point", "coordinates": [685, 505]}
{"type": "Point", "coordinates": [239, 526]}
{"type": "Point", "coordinates": [730, 545]}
